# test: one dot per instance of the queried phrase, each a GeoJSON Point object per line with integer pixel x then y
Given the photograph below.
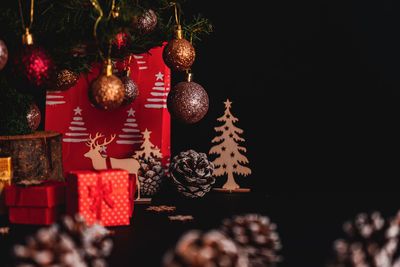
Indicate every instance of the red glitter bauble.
{"type": "Point", "coordinates": [121, 40]}
{"type": "Point", "coordinates": [34, 64]}
{"type": "Point", "coordinates": [33, 117]}
{"type": "Point", "coordinates": [120, 44]}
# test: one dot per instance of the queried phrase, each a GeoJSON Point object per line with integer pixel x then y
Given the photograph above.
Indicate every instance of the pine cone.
{"type": "Point", "coordinates": [72, 243]}
{"type": "Point", "coordinates": [192, 173]}
{"type": "Point", "coordinates": [255, 235]}
{"type": "Point", "coordinates": [371, 241]}
{"type": "Point", "coordinates": [150, 175]}
{"type": "Point", "coordinates": [49, 247]}
{"type": "Point", "coordinates": [197, 249]}
{"type": "Point", "coordinates": [93, 241]}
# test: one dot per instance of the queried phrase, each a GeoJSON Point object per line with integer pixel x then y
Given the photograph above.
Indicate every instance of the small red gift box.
{"type": "Point", "coordinates": [100, 196]}
{"type": "Point", "coordinates": [35, 204]}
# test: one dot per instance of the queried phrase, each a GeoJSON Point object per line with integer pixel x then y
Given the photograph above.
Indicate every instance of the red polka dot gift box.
{"type": "Point", "coordinates": [101, 197]}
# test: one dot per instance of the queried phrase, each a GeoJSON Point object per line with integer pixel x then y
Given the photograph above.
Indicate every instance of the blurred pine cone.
{"type": "Point", "coordinates": [192, 173]}
{"type": "Point", "coordinates": [371, 241]}
{"type": "Point", "coordinates": [197, 249]}
{"type": "Point", "coordinates": [94, 241]}
{"type": "Point", "coordinates": [72, 243]}
{"type": "Point", "coordinates": [256, 236]}
{"type": "Point", "coordinates": [150, 175]}
{"type": "Point", "coordinates": [48, 247]}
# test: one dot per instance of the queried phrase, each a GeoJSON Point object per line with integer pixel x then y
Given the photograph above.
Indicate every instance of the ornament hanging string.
{"type": "Point", "coordinates": [177, 18]}
{"type": "Point", "coordinates": [113, 11]}
{"type": "Point", "coordinates": [22, 15]}
{"type": "Point", "coordinates": [27, 37]}
{"type": "Point", "coordinates": [177, 13]}
{"type": "Point", "coordinates": [189, 74]}
{"type": "Point", "coordinates": [127, 67]}
{"type": "Point", "coordinates": [97, 6]}
{"type": "Point", "coordinates": [191, 33]}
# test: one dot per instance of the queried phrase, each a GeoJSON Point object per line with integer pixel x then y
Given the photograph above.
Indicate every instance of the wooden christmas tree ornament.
{"type": "Point", "coordinates": [229, 160]}
{"type": "Point", "coordinates": [148, 149]}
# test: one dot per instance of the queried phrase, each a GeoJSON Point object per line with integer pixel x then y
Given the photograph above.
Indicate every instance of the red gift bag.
{"type": "Point", "coordinates": [70, 113]}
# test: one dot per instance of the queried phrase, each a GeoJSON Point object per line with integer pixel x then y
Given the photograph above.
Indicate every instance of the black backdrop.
{"type": "Point", "coordinates": [303, 77]}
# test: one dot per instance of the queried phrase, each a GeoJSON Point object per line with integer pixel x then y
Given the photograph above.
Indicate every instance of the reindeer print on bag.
{"type": "Point", "coordinates": [99, 162]}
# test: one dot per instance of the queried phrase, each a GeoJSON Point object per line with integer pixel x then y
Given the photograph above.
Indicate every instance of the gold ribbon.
{"type": "Point", "coordinates": [22, 15]}
{"type": "Point", "coordinates": [97, 6]}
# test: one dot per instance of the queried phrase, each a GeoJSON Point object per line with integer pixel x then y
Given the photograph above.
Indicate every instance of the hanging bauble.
{"type": "Point", "coordinates": [179, 54]}
{"type": "Point", "coordinates": [120, 44]}
{"type": "Point", "coordinates": [3, 54]}
{"type": "Point", "coordinates": [121, 40]}
{"type": "Point", "coordinates": [107, 91]}
{"type": "Point", "coordinates": [34, 64]}
{"type": "Point", "coordinates": [188, 101]}
{"type": "Point", "coordinates": [131, 88]}
{"type": "Point", "coordinates": [65, 80]}
{"type": "Point", "coordinates": [33, 117]}
{"type": "Point", "coordinates": [146, 23]}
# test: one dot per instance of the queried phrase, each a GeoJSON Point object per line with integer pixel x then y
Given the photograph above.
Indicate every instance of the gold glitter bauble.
{"type": "Point", "coordinates": [107, 92]}
{"type": "Point", "coordinates": [66, 79]}
{"type": "Point", "coordinates": [179, 54]}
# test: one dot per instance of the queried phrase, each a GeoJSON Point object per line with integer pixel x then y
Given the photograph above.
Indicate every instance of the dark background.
{"type": "Point", "coordinates": [305, 79]}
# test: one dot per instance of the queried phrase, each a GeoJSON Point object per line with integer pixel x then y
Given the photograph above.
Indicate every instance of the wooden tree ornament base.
{"type": "Point", "coordinates": [239, 190]}
{"type": "Point", "coordinates": [143, 201]}
{"type": "Point", "coordinates": [36, 156]}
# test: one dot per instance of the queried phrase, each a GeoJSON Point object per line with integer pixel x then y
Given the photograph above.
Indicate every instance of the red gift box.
{"type": "Point", "coordinates": [35, 204]}
{"type": "Point", "coordinates": [100, 196]}
{"type": "Point", "coordinates": [29, 215]}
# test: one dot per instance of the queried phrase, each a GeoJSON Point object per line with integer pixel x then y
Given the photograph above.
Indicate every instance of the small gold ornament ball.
{"type": "Point", "coordinates": [179, 54]}
{"type": "Point", "coordinates": [66, 79]}
{"type": "Point", "coordinates": [33, 117]}
{"type": "Point", "coordinates": [107, 92]}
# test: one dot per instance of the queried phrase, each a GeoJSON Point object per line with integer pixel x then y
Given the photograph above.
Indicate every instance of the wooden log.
{"type": "Point", "coordinates": [36, 156]}
{"type": "Point", "coordinates": [239, 190]}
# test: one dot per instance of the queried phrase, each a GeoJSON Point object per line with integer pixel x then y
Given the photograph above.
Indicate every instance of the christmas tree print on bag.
{"type": "Point", "coordinates": [71, 113]}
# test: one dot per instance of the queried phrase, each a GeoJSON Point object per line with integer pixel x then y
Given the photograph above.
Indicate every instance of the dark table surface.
{"type": "Point", "coordinates": [308, 223]}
